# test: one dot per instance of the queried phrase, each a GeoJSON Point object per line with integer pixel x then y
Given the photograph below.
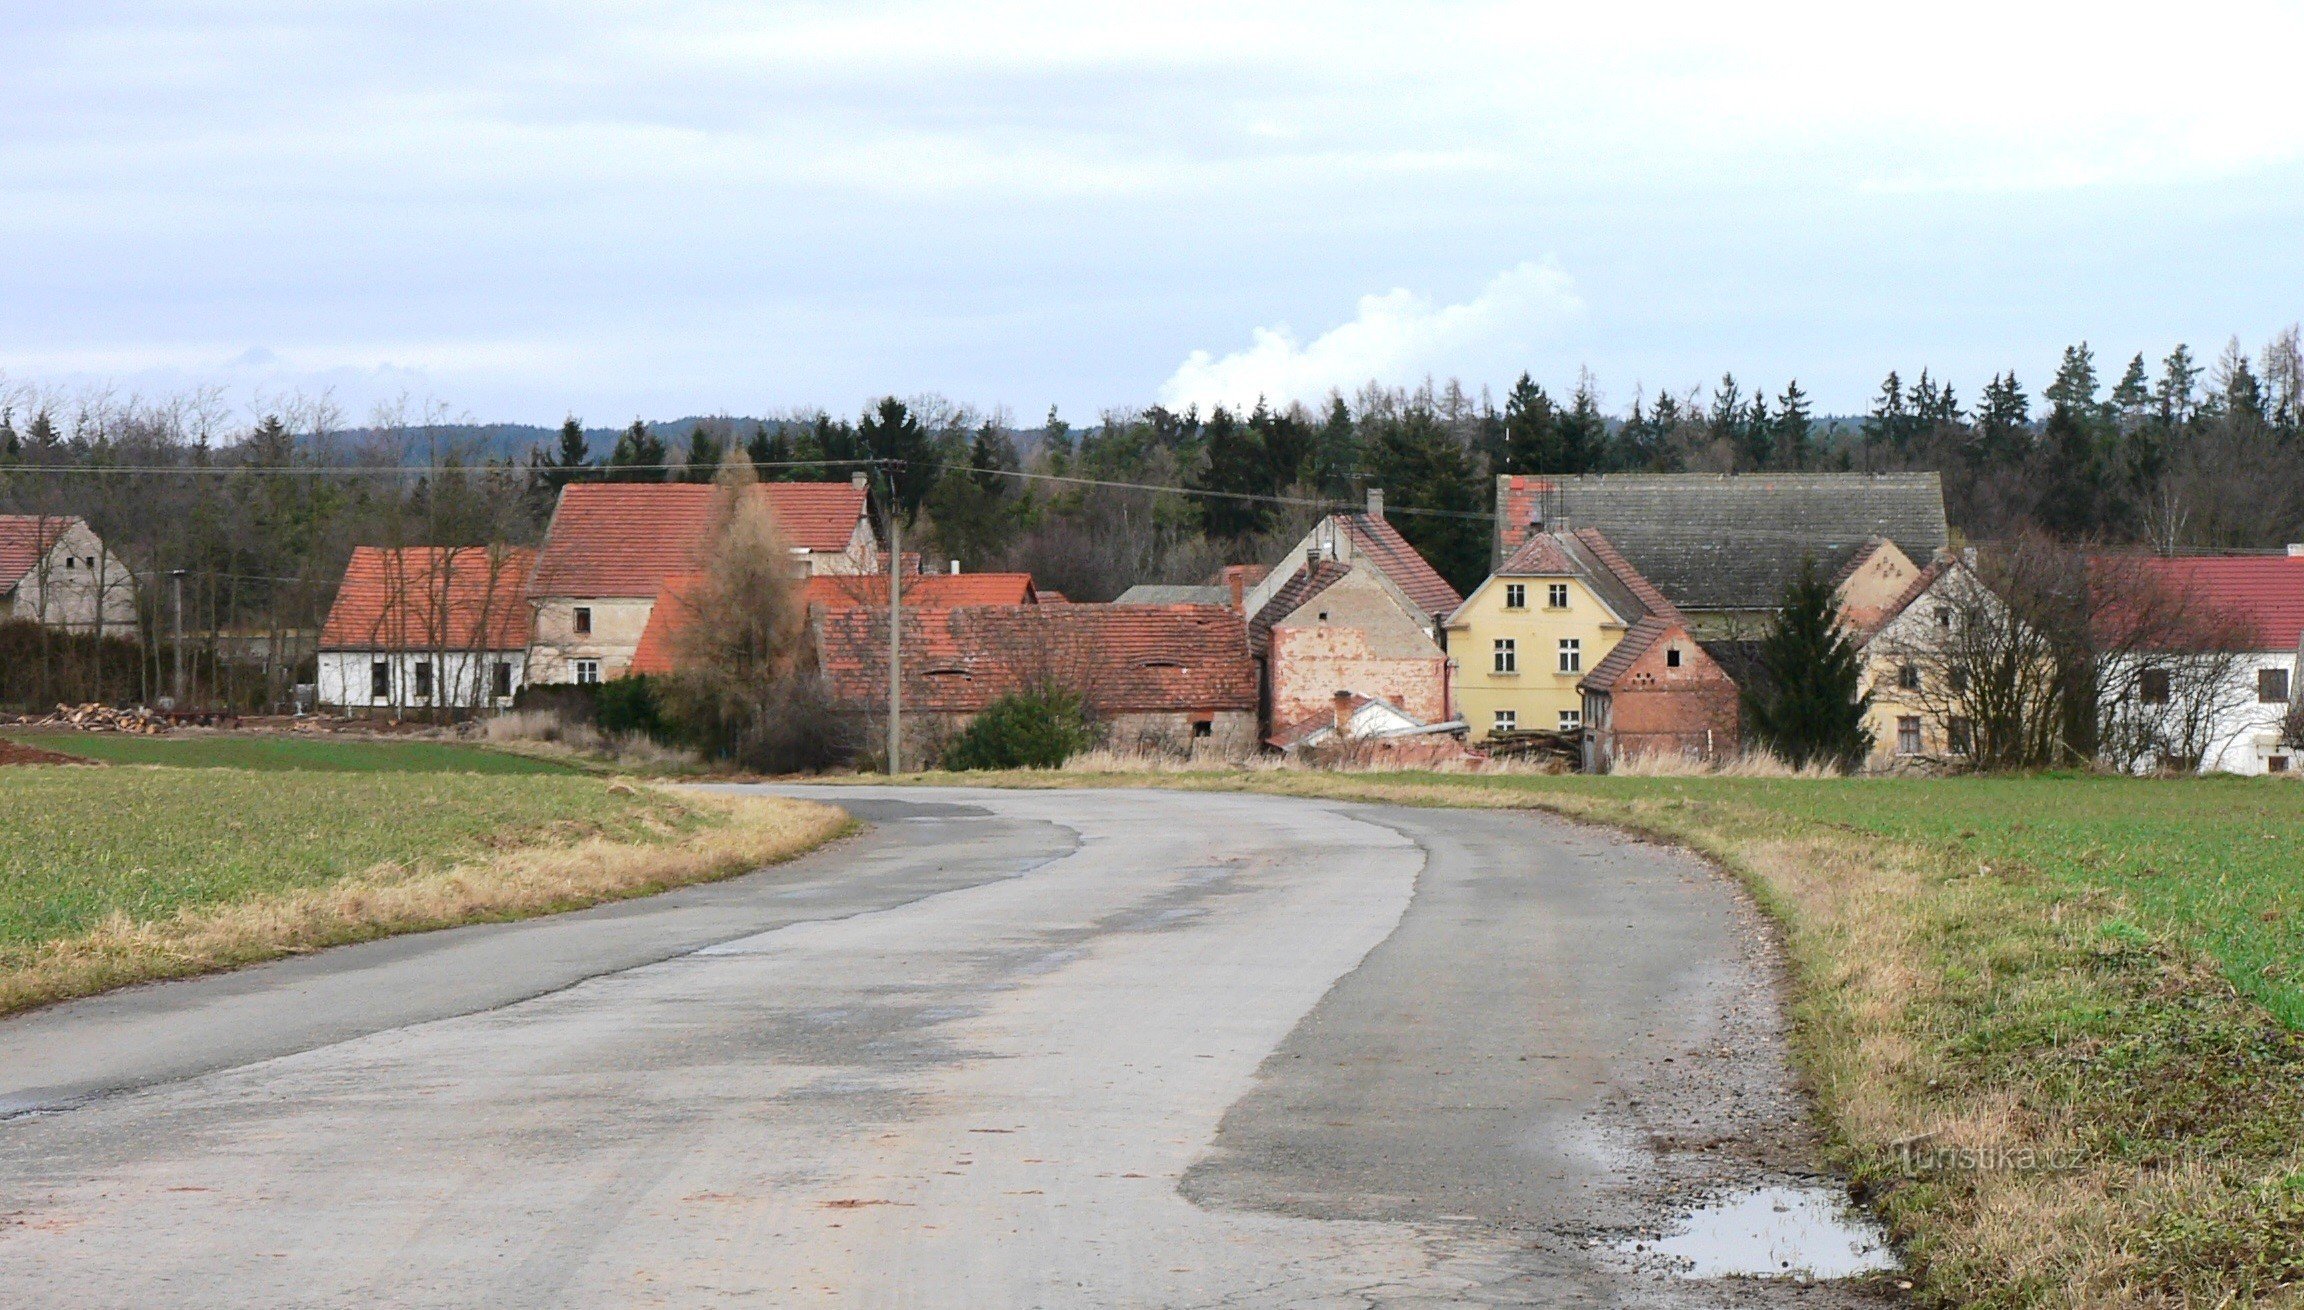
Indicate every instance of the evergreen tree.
{"type": "Point", "coordinates": [10, 444]}
{"type": "Point", "coordinates": [639, 455]}
{"type": "Point", "coordinates": [1584, 431]}
{"type": "Point", "coordinates": [890, 433]}
{"type": "Point", "coordinates": [1809, 702]}
{"type": "Point", "coordinates": [703, 462]}
{"type": "Point", "coordinates": [1726, 421]}
{"type": "Point", "coordinates": [2132, 397]}
{"type": "Point", "coordinates": [1794, 427]}
{"type": "Point", "coordinates": [1286, 442]}
{"type": "Point", "coordinates": [1235, 466]}
{"type": "Point", "coordinates": [1532, 432]}
{"type": "Point", "coordinates": [2176, 396]}
{"type": "Point", "coordinates": [1059, 435]}
{"type": "Point", "coordinates": [2075, 386]}
{"type": "Point", "coordinates": [970, 505]}
{"type": "Point", "coordinates": [1422, 466]}
{"type": "Point", "coordinates": [1890, 422]}
{"type": "Point", "coordinates": [575, 452]}
{"type": "Point", "coordinates": [1756, 433]}
{"type": "Point", "coordinates": [2074, 501]}
{"type": "Point", "coordinates": [1336, 451]}
{"type": "Point", "coordinates": [2003, 423]}
{"type": "Point", "coordinates": [771, 453]}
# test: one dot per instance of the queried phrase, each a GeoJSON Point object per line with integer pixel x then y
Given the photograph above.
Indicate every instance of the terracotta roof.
{"type": "Point", "coordinates": [1054, 598]}
{"type": "Point", "coordinates": [1539, 556]}
{"type": "Point", "coordinates": [2262, 593]}
{"type": "Point", "coordinates": [1293, 593]}
{"type": "Point", "coordinates": [1589, 555]}
{"type": "Point", "coordinates": [653, 656]}
{"type": "Point", "coordinates": [24, 538]}
{"type": "Point", "coordinates": [1382, 545]}
{"type": "Point", "coordinates": [1638, 640]}
{"type": "Point", "coordinates": [432, 597]}
{"type": "Point", "coordinates": [1123, 658]}
{"type": "Point", "coordinates": [626, 538]}
{"type": "Point", "coordinates": [928, 591]}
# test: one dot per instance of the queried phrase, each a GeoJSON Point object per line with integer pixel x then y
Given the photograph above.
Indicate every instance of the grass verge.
{"type": "Point", "coordinates": [282, 753]}
{"type": "Point", "coordinates": [2016, 1005]}
{"type": "Point", "coordinates": [125, 876]}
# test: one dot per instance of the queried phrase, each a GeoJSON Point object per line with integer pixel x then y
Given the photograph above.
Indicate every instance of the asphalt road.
{"type": "Point", "coordinates": [1006, 1049]}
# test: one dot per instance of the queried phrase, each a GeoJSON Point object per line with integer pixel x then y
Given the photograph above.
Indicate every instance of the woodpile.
{"type": "Point", "coordinates": [93, 717]}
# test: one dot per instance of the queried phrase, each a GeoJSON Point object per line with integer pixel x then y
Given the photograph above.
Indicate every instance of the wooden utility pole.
{"type": "Point", "coordinates": [895, 636]}
{"type": "Point", "coordinates": [177, 575]}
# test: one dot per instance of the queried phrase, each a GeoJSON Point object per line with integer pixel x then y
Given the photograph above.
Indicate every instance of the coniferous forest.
{"type": "Point", "coordinates": [260, 511]}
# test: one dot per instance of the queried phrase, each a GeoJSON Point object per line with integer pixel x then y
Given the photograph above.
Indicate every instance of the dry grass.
{"type": "Point", "coordinates": [543, 734]}
{"type": "Point", "coordinates": [1751, 764]}
{"type": "Point", "coordinates": [726, 836]}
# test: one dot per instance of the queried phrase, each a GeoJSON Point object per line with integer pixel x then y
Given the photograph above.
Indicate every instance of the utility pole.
{"type": "Point", "coordinates": [177, 576]}
{"type": "Point", "coordinates": [895, 635]}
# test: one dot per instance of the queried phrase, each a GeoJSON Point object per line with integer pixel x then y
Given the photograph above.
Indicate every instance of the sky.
{"type": "Point", "coordinates": [514, 212]}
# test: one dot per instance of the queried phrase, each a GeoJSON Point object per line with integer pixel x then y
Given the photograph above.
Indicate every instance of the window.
{"type": "Point", "coordinates": [1507, 655]}
{"type": "Point", "coordinates": [1958, 679]}
{"type": "Point", "coordinates": [2152, 685]}
{"type": "Point", "coordinates": [1515, 595]}
{"type": "Point", "coordinates": [2276, 764]}
{"type": "Point", "coordinates": [1944, 618]}
{"type": "Point", "coordinates": [379, 680]}
{"type": "Point", "coordinates": [1960, 736]}
{"type": "Point", "coordinates": [1571, 654]}
{"type": "Point", "coordinates": [2272, 686]}
{"type": "Point", "coordinates": [1203, 728]}
{"type": "Point", "coordinates": [1556, 595]}
{"type": "Point", "coordinates": [72, 563]}
{"type": "Point", "coordinates": [1908, 735]}
{"type": "Point", "coordinates": [1908, 677]}
{"type": "Point", "coordinates": [503, 683]}
{"type": "Point", "coordinates": [1671, 657]}
{"type": "Point", "coordinates": [1507, 721]}
{"type": "Point", "coordinates": [1571, 720]}
{"type": "Point", "coordinates": [1323, 616]}
{"type": "Point", "coordinates": [587, 673]}
{"type": "Point", "coordinates": [423, 679]}
{"type": "Point", "coordinates": [583, 620]}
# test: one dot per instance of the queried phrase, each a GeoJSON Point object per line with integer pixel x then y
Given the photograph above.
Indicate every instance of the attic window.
{"type": "Point", "coordinates": [1323, 616]}
{"type": "Point", "coordinates": [1161, 664]}
{"type": "Point", "coordinates": [946, 672]}
{"type": "Point", "coordinates": [1671, 657]}
{"type": "Point", "coordinates": [583, 620]}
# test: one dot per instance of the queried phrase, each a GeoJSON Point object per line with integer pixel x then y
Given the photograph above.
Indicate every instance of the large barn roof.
{"type": "Point", "coordinates": [432, 598]}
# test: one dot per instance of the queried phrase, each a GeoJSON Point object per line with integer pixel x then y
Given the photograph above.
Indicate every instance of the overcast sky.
{"type": "Point", "coordinates": [619, 209]}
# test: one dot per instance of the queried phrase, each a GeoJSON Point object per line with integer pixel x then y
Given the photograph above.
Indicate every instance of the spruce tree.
{"type": "Point", "coordinates": [1235, 467]}
{"type": "Point", "coordinates": [2177, 395]}
{"type": "Point", "coordinates": [891, 432]}
{"type": "Point", "coordinates": [1286, 442]}
{"type": "Point", "coordinates": [1422, 466]}
{"type": "Point", "coordinates": [771, 452]}
{"type": "Point", "coordinates": [1793, 427]}
{"type": "Point", "coordinates": [1336, 451]}
{"type": "Point", "coordinates": [1756, 432]}
{"type": "Point", "coordinates": [1532, 435]}
{"type": "Point", "coordinates": [703, 462]}
{"type": "Point", "coordinates": [639, 455]}
{"type": "Point", "coordinates": [1808, 704]}
{"type": "Point", "coordinates": [2003, 431]}
{"type": "Point", "coordinates": [1584, 432]}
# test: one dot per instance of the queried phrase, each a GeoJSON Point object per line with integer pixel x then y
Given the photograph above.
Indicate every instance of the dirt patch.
{"type": "Point", "coordinates": [12, 752]}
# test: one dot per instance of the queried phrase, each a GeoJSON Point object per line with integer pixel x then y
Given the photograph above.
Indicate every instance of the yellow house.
{"type": "Point", "coordinates": [1525, 637]}
{"type": "Point", "coordinates": [1916, 717]}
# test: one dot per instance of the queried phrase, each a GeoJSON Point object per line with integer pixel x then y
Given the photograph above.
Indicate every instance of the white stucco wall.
{"type": "Point", "coordinates": [62, 590]}
{"type": "Point", "coordinates": [345, 679]}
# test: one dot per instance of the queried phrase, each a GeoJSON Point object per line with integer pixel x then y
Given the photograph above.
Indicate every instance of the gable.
{"type": "Point", "coordinates": [1359, 601]}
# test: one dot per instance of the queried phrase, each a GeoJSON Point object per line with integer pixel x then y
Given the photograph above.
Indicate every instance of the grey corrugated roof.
{"type": "Point", "coordinates": [1152, 593]}
{"type": "Point", "coordinates": [1733, 541]}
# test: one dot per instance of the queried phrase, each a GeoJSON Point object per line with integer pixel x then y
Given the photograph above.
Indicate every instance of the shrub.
{"type": "Point", "coordinates": [1023, 730]}
{"type": "Point", "coordinates": [631, 705]}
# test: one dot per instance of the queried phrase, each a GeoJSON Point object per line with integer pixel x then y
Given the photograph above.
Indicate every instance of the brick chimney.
{"type": "Point", "coordinates": [1376, 503]}
{"type": "Point", "coordinates": [1239, 586]}
{"type": "Point", "coordinates": [1343, 711]}
{"type": "Point", "coordinates": [857, 480]}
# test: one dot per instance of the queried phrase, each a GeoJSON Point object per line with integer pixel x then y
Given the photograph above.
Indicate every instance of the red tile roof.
{"type": "Point", "coordinates": [626, 538]}
{"type": "Point", "coordinates": [1912, 592]}
{"type": "Point", "coordinates": [1123, 658]}
{"type": "Point", "coordinates": [654, 654]}
{"type": "Point", "coordinates": [2264, 594]}
{"type": "Point", "coordinates": [1382, 545]}
{"type": "Point", "coordinates": [432, 597]}
{"type": "Point", "coordinates": [24, 538]}
{"type": "Point", "coordinates": [928, 590]}
{"type": "Point", "coordinates": [1539, 556]}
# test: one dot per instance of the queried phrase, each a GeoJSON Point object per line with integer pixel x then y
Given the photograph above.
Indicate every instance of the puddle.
{"type": "Point", "coordinates": [1775, 1232]}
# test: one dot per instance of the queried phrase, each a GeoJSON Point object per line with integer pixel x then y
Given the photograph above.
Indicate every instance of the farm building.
{"type": "Point", "coordinates": [55, 571]}
{"type": "Point", "coordinates": [612, 546]}
{"type": "Point", "coordinates": [675, 610]}
{"type": "Point", "coordinates": [2232, 704]}
{"type": "Point", "coordinates": [1337, 628]}
{"type": "Point", "coordinates": [1360, 538]}
{"type": "Point", "coordinates": [427, 627]}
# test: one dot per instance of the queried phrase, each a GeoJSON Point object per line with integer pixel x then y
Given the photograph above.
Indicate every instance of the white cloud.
{"type": "Point", "coordinates": [1396, 338]}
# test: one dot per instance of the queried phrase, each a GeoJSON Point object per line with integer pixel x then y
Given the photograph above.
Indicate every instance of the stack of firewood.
{"type": "Point", "coordinates": [93, 717]}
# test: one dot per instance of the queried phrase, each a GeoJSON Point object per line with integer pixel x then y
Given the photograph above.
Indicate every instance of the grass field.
{"type": "Point", "coordinates": [237, 850]}
{"type": "Point", "coordinates": [2050, 1024]}
{"type": "Point", "coordinates": [283, 753]}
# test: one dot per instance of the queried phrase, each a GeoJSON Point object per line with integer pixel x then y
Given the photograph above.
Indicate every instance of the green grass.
{"type": "Point", "coordinates": [299, 754]}
{"type": "Point", "coordinates": [2214, 864]}
{"type": "Point", "coordinates": [83, 843]}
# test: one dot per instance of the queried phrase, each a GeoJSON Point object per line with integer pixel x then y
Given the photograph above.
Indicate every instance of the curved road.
{"type": "Point", "coordinates": [1128, 1048]}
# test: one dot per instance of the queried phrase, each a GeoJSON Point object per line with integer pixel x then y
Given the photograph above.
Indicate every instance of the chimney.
{"type": "Point", "coordinates": [1376, 503]}
{"type": "Point", "coordinates": [955, 568]}
{"type": "Point", "coordinates": [2295, 548]}
{"type": "Point", "coordinates": [857, 480]}
{"type": "Point", "coordinates": [1239, 585]}
{"type": "Point", "coordinates": [1343, 711]}
{"type": "Point", "coordinates": [1312, 556]}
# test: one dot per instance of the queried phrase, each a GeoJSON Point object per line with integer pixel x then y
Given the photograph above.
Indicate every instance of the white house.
{"type": "Point", "coordinates": [2238, 700]}
{"type": "Point", "coordinates": [428, 627]}
{"type": "Point", "coordinates": [55, 571]}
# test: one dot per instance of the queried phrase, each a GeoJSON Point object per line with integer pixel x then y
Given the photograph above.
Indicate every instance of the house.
{"type": "Point", "coordinates": [427, 627]}
{"type": "Point", "coordinates": [56, 572]}
{"type": "Point", "coordinates": [1360, 538]}
{"type": "Point", "coordinates": [612, 546]}
{"type": "Point", "coordinates": [2231, 705]}
{"type": "Point", "coordinates": [1345, 628]}
{"type": "Point", "coordinates": [1912, 672]}
{"type": "Point", "coordinates": [1657, 694]}
{"type": "Point", "coordinates": [1526, 638]}
{"type": "Point", "coordinates": [1373, 732]}
{"type": "Point", "coordinates": [674, 609]}
{"type": "Point", "coordinates": [1723, 547]}
{"type": "Point", "coordinates": [1173, 677]}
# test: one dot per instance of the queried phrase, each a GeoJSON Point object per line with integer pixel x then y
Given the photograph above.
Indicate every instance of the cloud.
{"type": "Point", "coordinates": [1396, 338]}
